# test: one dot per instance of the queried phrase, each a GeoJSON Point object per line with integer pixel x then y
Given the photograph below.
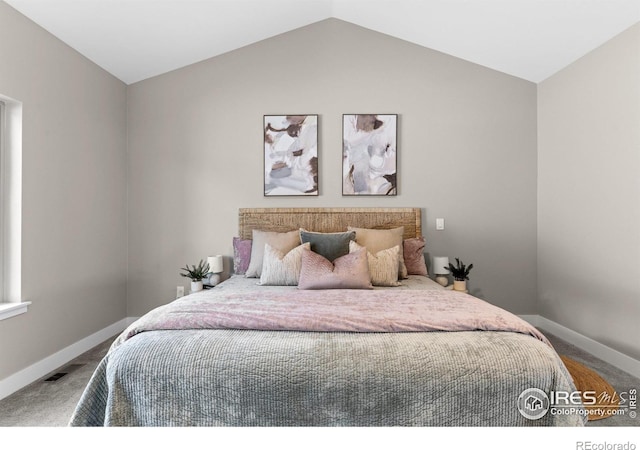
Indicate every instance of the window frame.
{"type": "Point", "coordinates": [3, 126]}
{"type": "Point", "coordinates": [11, 303]}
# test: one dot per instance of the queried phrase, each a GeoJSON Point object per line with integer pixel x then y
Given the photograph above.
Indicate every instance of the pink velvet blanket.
{"type": "Point", "coordinates": [340, 310]}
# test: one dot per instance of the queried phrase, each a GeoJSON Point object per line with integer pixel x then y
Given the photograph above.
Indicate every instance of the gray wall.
{"type": "Point", "coordinates": [74, 193]}
{"type": "Point", "coordinates": [467, 152]}
{"type": "Point", "coordinates": [588, 194]}
{"type": "Point", "coordinates": [471, 150]}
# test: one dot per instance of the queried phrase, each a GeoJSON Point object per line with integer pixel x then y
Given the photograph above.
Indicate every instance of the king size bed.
{"type": "Point", "coordinates": [324, 349]}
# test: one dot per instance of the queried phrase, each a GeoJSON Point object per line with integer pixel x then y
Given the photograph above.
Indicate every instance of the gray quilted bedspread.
{"type": "Point", "coordinates": [244, 377]}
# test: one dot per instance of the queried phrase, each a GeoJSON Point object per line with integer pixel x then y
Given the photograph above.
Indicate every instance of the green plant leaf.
{"type": "Point", "coordinates": [196, 273]}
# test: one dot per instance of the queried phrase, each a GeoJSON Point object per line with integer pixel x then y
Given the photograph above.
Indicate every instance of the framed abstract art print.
{"type": "Point", "coordinates": [369, 154]}
{"type": "Point", "coordinates": [290, 155]}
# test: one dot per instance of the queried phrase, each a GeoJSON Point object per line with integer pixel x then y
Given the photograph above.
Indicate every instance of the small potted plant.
{"type": "Point", "coordinates": [196, 274]}
{"type": "Point", "coordinates": [460, 273]}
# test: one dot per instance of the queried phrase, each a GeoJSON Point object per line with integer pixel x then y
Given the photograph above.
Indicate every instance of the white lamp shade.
{"type": "Point", "coordinates": [441, 265]}
{"type": "Point", "coordinates": [215, 264]}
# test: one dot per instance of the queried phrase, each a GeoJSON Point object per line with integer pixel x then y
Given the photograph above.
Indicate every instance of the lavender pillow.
{"type": "Point", "coordinates": [241, 255]}
{"type": "Point", "coordinates": [350, 271]}
{"type": "Point", "coordinates": [414, 256]}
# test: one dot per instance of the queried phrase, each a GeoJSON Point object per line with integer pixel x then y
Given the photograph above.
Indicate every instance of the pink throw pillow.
{"type": "Point", "coordinates": [346, 272]}
{"type": "Point", "coordinates": [414, 256]}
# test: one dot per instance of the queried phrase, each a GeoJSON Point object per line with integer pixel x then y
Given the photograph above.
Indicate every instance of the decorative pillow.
{"type": "Point", "coordinates": [350, 271]}
{"type": "Point", "coordinates": [241, 255]}
{"type": "Point", "coordinates": [383, 266]}
{"type": "Point", "coordinates": [280, 268]}
{"type": "Point", "coordinates": [414, 256]}
{"type": "Point", "coordinates": [376, 240]}
{"type": "Point", "coordinates": [329, 245]}
{"type": "Point", "coordinates": [279, 241]}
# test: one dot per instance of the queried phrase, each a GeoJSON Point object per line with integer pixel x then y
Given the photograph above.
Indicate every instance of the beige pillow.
{"type": "Point", "coordinates": [383, 266]}
{"type": "Point", "coordinates": [280, 268]}
{"type": "Point", "coordinates": [279, 241]}
{"type": "Point", "coordinates": [377, 240]}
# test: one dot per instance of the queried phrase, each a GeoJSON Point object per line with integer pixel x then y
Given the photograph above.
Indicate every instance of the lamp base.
{"type": "Point", "coordinates": [213, 279]}
{"type": "Point", "coordinates": [442, 280]}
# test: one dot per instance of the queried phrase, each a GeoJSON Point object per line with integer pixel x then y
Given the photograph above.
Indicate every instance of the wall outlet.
{"type": "Point", "coordinates": [180, 292]}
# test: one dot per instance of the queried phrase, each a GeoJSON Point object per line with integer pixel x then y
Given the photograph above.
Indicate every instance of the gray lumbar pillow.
{"type": "Point", "coordinates": [329, 245]}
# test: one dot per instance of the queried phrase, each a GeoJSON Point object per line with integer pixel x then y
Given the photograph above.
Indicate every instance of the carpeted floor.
{"type": "Point", "coordinates": [51, 403]}
{"type": "Point", "coordinates": [621, 381]}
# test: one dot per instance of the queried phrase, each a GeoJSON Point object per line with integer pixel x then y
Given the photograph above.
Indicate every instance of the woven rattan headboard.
{"type": "Point", "coordinates": [327, 220]}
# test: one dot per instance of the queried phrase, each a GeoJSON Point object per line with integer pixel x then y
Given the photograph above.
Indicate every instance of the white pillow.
{"type": "Point", "coordinates": [280, 241]}
{"type": "Point", "coordinates": [280, 268]}
{"type": "Point", "coordinates": [383, 266]}
{"type": "Point", "coordinates": [377, 240]}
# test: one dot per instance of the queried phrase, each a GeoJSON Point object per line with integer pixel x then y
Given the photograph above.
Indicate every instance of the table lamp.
{"type": "Point", "coordinates": [441, 269]}
{"type": "Point", "coordinates": [215, 269]}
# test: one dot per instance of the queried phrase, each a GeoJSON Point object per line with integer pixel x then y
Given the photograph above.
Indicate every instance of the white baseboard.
{"type": "Point", "coordinates": [601, 351]}
{"type": "Point", "coordinates": [34, 372]}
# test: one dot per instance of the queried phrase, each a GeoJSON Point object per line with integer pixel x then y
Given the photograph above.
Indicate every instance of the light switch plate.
{"type": "Point", "coordinates": [440, 224]}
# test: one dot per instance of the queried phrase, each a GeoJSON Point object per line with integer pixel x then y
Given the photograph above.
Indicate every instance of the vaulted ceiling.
{"type": "Point", "coordinates": [138, 39]}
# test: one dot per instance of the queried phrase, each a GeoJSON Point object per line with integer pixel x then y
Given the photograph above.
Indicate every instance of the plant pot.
{"type": "Point", "coordinates": [196, 286]}
{"type": "Point", "coordinates": [460, 285]}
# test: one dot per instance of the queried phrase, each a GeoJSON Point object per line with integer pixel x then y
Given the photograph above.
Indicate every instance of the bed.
{"type": "Point", "coordinates": [249, 354]}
